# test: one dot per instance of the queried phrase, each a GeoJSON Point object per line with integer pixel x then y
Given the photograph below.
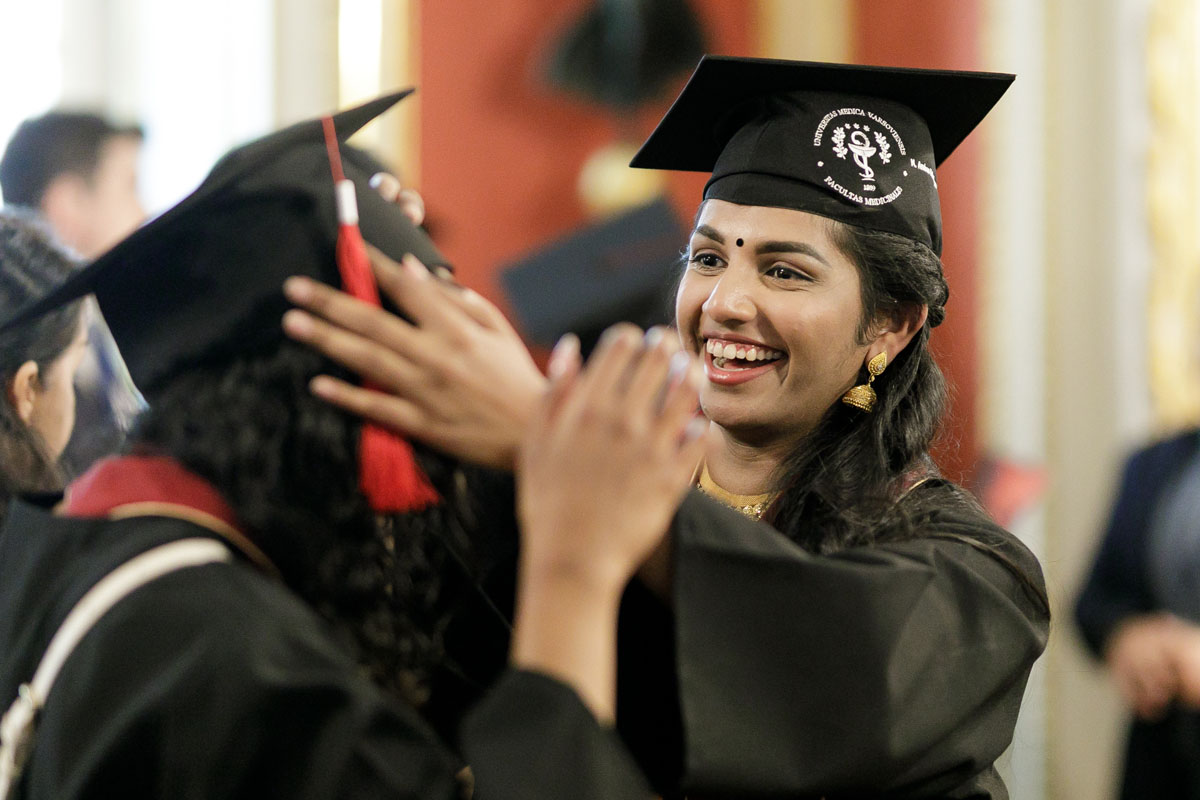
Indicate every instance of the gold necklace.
{"type": "Point", "coordinates": [751, 505]}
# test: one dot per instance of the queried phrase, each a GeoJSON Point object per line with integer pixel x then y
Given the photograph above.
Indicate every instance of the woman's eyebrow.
{"type": "Point", "coordinates": [790, 247]}
{"type": "Point", "coordinates": [709, 232]}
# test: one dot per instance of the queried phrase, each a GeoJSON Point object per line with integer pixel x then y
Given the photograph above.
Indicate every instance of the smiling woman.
{"type": "Point", "coordinates": [874, 637]}
{"type": "Point", "coordinates": [795, 301]}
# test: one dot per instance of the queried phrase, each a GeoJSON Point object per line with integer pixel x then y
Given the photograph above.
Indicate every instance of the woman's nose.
{"type": "Point", "coordinates": [731, 299]}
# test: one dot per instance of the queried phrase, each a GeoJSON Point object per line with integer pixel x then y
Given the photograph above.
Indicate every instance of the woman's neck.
{"type": "Point", "coordinates": [743, 468]}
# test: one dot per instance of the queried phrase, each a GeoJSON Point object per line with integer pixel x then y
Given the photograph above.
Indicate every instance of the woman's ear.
{"type": "Point", "coordinates": [23, 390]}
{"type": "Point", "coordinates": [892, 334]}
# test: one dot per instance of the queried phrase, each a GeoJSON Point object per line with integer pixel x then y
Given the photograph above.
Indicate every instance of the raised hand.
{"type": "Point", "coordinates": [605, 462]}
{"type": "Point", "coordinates": [454, 375]}
{"type": "Point", "coordinates": [608, 458]}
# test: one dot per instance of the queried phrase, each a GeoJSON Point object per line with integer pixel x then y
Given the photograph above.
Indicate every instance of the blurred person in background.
{"type": "Point", "coordinates": [1139, 612]}
{"type": "Point", "coordinates": [37, 361]}
{"type": "Point", "coordinates": [79, 171]}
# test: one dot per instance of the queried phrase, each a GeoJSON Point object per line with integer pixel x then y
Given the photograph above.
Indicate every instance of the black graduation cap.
{"type": "Point", "coordinates": [203, 281]}
{"type": "Point", "coordinates": [617, 270]}
{"type": "Point", "coordinates": [855, 143]}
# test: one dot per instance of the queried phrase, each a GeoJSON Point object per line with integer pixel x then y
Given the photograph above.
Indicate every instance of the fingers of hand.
{"type": "Point", "coordinates": [397, 281]}
{"type": "Point", "coordinates": [387, 410]}
{"type": "Point", "coordinates": [1143, 670]}
{"type": "Point", "coordinates": [478, 308]}
{"type": "Point", "coordinates": [412, 204]}
{"type": "Point", "coordinates": [365, 355]}
{"type": "Point", "coordinates": [390, 189]}
{"type": "Point", "coordinates": [600, 386]}
{"type": "Point", "coordinates": [565, 360]}
{"type": "Point", "coordinates": [414, 290]}
{"type": "Point", "coordinates": [387, 184]}
{"type": "Point", "coordinates": [680, 425]}
{"type": "Point", "coordinates": [346, 312]}
{"type": "Point", "coordinates": [474, 306]}
{"type": "Point", "coordinates": [648, 378]}
{"type": "Point", "coordinates": [563, 368]}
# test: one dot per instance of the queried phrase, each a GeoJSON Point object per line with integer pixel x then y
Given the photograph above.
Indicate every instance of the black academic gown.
{"type": "Point", "coordinates": [890, 671]}
{"type": "Point", "coordinates": [217, 682]}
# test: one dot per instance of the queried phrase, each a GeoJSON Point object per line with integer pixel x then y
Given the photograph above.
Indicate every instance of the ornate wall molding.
{"type": "Point", "coordinates": [1173, 212]}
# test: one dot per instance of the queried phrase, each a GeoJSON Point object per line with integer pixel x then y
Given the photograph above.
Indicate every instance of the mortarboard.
{"type": "Point", "coordinates": [617, 270]}
{"type": "Point", "coordinates": [857, 144]}
{"type": "Point", "coordinates": [203, 282]}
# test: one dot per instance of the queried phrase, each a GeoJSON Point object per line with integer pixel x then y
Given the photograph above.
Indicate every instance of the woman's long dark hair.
{"type": "Point", "coordinates": [287, 464]}
{"type": "Point", "coordinates": [838, 488]}
{"type": "Point", "coordinates": [847, 483]}
{"type": "Point", "coordinates": [31, 264]}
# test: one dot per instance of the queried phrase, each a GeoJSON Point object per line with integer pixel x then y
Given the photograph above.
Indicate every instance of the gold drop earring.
{"type": "Point", "coordinates": [863, 396]}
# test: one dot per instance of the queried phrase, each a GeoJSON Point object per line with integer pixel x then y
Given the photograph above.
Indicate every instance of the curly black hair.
{"type": "Point", "coordinates": [287, 464]}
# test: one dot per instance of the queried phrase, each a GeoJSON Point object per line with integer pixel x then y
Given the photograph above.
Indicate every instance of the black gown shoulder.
{"type": "Point", "coordinates": [217, 682]}
{"type": "Point", "coordinates": [895, 670]}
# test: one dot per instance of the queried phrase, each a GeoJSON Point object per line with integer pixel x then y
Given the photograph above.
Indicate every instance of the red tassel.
{"type": "Point", "coordinates": [355, 265]}
{"type": "Point", "coordinates": [388, 473]}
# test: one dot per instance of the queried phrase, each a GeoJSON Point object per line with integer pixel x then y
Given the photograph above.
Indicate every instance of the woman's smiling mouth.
{"type": "Point", "coordinates": [730, 363]}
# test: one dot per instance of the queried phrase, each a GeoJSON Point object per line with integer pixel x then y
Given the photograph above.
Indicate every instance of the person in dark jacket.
{"type": "Point", "coordinates": [1139, 612]}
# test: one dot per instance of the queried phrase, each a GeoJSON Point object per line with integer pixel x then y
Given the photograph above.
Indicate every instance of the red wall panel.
{"type": "Point", "coordinates": [942, 34]}
{"type": "Point", "coordinates": [501, 151]}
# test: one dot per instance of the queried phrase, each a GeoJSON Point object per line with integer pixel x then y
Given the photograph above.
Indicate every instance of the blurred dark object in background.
{"type": "Point", "coordinates": [623, 53]}
{"type": "Point", "coordinates": [623, 269]}
{"type": "Point", "coordinates": [1008, 488]}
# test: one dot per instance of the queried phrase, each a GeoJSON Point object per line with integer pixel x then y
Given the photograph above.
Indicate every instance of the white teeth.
{"type": "Point", "coordinates": [722, 351]}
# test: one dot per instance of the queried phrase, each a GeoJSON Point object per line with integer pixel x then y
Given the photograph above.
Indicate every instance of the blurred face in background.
{"type": "Point", "coordinates": [91, 214]}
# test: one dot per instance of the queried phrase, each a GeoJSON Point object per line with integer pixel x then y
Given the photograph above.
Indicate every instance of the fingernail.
{"type": "Point", "coordinates": [443, 274]}
{"type": "Point", "coordinates": [388, 186]}
{"type": "Point", "coordinates": [613, 333]}
{"type": "Point", "coordinates": [297, 323]}
{"type": "Point", "coordinates": [564, 351]}
{"type": "Point", "coordinates": [653, 337]}
{"type": "Point", "coordinates": [415, 268]}
{"type": "Point", "coordinates": [695, 429]}
{"type": "Point", "coordinates": [321, 386]}
{"type": "Point", "coordinates": [678, 365]}
{"type": "Point", "coordinates": [298, 289]}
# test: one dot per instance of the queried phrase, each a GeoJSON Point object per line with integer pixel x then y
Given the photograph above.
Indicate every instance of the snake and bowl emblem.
{"type": "Point", "coordinates": [867, 141]}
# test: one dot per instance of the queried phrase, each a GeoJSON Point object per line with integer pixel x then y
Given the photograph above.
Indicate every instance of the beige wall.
{"type": "Point", "coordinates": [1097, 379]}
{"type": "Point", "coordinates": [815, 30]}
